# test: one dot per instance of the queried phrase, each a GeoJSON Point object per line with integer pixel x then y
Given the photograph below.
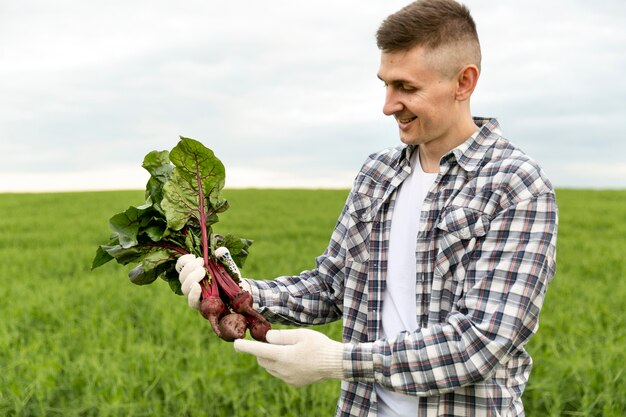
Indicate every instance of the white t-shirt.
{"type": "Point", "coordinates": [399, 303]}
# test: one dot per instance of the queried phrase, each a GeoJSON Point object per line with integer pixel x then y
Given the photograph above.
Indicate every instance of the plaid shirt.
{"type": "Point", "coordinates": [486, 251]}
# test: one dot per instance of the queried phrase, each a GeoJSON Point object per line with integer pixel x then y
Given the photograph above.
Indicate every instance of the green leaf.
{"type": "Point", "coordinates": [155, 232]}
{"type": "Point", "coordinates": [192, 193]}
{"type": "Point", "coordinates": [175, 287]}
{"type": "Point", "coordinates": [138, 225]}
{"type": "Point", "coordinates": [159, 166]}
{"type": "Point", "coordinates": [157, 163]}
{"type": "Point", "coordinates": [123, 255]}
{"type": "Point", "coordinates": [101, 258]}
{"type": "Point", "coordinates": [153, 227]}
{"type": "Point", "coordinates": [193, 241]}
{"type": "Point", "coordinates": [151, 267]}
{"type": "Point", "coordinates": [198, 163]}
{"type": "Point", "coordinates": [180, 202]}
{"type": "Point", "coordinates": [171, 276]}
{"type": "Point", "coordinates": [126, 225]}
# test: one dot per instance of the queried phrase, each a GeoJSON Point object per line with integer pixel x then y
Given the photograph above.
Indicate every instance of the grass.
{"type": "Point", "coordinates": [79, 343]}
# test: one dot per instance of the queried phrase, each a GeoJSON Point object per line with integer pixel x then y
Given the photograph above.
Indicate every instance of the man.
{"type": "Point", "coordinates": [441, 257]}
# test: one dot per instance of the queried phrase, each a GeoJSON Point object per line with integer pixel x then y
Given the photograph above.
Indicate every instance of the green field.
{"type": "Point", "coordinates": [79, 343]}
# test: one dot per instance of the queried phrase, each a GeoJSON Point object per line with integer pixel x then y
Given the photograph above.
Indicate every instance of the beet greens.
{"type": "Point", "coordinates": [182, 202]}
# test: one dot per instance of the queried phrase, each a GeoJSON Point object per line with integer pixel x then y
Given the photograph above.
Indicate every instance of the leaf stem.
{"type": "Point", "coordinates": [209, 286]}
{"type": "Point", "coordinates": [205, 238]}
{"type": "Point", "coordinates": [226, 283]}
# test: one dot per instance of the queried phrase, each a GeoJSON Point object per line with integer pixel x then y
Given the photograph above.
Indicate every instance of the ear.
{"type": "Point", "coordinates": [467, 78]}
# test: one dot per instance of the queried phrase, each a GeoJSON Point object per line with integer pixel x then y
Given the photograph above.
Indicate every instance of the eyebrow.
{"type": "Point", "coordinates": [380, 78]}
{"type": "Point", "coordinates": [394, 82]}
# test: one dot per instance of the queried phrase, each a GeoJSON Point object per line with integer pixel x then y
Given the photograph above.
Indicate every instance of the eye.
{"type": "Point", "coordinates": [406, 88]}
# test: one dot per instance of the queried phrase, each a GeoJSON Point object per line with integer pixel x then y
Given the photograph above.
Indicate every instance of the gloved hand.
{"type": "Point", "coordinates": [298, 356]}
{"type": "Point", "coordinates": [190, 272]}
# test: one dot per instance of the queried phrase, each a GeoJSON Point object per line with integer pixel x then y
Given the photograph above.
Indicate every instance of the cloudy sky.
{"type": "Point", "coordinates": [285, 91]}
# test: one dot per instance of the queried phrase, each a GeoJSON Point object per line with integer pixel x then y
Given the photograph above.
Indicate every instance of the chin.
{"type": "Point", "coordinates": [409, 140]}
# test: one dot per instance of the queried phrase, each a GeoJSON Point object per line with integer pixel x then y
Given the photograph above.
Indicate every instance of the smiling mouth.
{"type": "Point", "coordinates": [406, 120]}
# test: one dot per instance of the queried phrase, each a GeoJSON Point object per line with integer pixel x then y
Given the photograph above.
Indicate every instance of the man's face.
{"type": "Point", "coordinates": [419, 96]}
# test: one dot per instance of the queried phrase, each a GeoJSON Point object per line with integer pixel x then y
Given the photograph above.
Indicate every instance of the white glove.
{"type": "Point", "coordinates": [298, 356]}
{"type": "Point", "coordinates": [190, 272]}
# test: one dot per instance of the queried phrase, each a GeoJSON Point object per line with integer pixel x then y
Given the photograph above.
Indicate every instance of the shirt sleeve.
{"type": "Point", "coordinates": [504, 287]}
{"type": "Point", "coordinates": [312, 297]}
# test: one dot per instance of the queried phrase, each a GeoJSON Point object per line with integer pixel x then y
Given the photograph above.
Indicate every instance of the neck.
{"type": "Point", "coordinates": [431, 152]}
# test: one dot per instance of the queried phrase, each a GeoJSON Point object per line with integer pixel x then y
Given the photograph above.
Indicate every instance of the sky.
{"type": "Point", "coordinates": [284, 91]}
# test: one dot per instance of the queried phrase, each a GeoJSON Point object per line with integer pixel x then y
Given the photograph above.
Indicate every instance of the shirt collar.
{"type": "Point", "coordinates": [470, 153]}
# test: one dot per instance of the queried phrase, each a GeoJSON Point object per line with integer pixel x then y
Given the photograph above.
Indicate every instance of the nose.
{"type": "Point", "coordinates": [392, 103]}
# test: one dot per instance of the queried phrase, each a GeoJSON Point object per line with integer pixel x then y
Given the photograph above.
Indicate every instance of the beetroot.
{"type": "Point", "coordinates": [213, 308]}
{"type": "Point", "coordinates": [233, 326]}
{"type": "Point", "coordinates": [239, 301]}
{"type": "Point", "coordinates": [242, 302]}
{"type": "Point", "coordinates": [258, 327]}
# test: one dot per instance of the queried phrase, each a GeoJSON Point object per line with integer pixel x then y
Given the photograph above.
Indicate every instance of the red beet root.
{"type": "Point", "coordinates": [213, 308]}
{"type": "Point", "coordinates": [242, 302]}
{"type": "Point", "coordinates": [258, 327]}
{"type": "Point", "coordinates": [217, 312]}
{"type": "Point", "coordinates": [233, 326]}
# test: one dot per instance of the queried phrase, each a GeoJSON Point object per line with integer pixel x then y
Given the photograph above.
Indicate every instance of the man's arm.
{"type": "Point", "coordinates": [311, 297]}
